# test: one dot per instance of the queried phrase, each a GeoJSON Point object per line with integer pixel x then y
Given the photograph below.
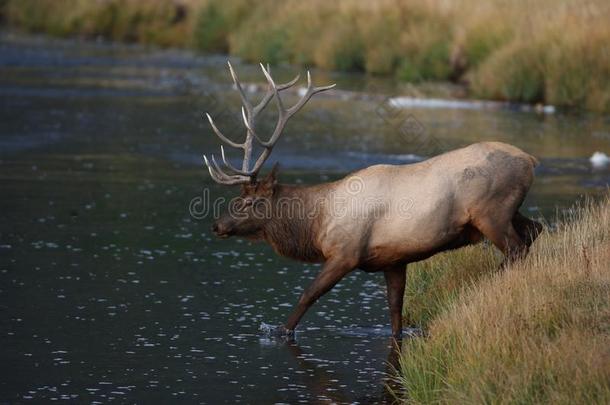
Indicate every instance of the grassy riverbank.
{"type": "Point", "coordinates": [552, 51]}
{"type": "Point", "coordinates": [538, 332]}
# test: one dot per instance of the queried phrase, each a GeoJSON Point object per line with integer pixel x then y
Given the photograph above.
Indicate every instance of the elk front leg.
{"type": "Point", "coordinates": [395, 281]}
{"type": "Point", "coordinates": [332, 271]}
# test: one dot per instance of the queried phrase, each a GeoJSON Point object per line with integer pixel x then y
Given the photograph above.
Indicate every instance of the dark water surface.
{"type": "Point", "coordinates": [111, 290]}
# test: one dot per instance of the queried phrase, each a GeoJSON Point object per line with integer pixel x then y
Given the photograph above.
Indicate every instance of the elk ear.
{"type": "Point", "coordinates": [269, 182]}
{"type": "Point", "coordinates": [271, 178]}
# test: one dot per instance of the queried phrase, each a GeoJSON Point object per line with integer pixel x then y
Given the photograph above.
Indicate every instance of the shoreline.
{"type": "Point", "coordinates": [510, 52]}
{"type": "Point", "coordinates": [425, 99]}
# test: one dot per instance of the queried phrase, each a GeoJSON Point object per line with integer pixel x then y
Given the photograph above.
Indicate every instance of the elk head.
{"type": "Point", "coordinates": [248, 213]}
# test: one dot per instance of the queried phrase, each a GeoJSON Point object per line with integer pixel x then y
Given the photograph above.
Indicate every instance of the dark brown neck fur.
{"type": "Point", "coordinates": [292, 229]}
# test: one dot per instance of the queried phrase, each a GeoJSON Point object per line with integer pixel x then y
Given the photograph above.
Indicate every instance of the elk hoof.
{"type": "Point", "coordinates": [277, 331]}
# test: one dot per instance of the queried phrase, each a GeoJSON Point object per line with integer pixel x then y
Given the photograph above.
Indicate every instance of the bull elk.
{"type": "Point", "coordinates": [446, 202]}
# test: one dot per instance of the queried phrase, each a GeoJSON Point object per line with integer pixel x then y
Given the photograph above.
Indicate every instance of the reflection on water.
{"type": "Point", "coordinates": [109, 289]}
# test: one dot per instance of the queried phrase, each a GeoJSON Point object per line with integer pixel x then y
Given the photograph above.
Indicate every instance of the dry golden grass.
{"type": "Point", "coordinates": [159, 22]}
{"type": "Point", "coordinates": [538, 332]}
{"type": "Point", "coordinates": [562, 58]}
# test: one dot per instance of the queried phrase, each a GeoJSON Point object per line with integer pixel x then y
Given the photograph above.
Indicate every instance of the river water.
{"type": "Point", "coordinates": [111, 291]}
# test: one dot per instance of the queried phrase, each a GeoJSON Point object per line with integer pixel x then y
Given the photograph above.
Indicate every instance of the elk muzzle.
{"type": "Point", "coordinates": [222, 229]}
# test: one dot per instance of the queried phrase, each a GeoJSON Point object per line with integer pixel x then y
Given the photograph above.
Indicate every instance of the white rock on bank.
{"type": "Point", "coordinates": [599, 159]}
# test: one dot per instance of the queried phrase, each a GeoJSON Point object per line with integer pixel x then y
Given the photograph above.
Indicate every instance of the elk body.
{"type": "Point", "coordinates": [380, 218]}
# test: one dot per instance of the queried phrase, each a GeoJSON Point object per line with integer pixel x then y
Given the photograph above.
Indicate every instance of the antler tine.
{"type": "Point", "coordinates": [247, 145]}
{"type": "Point", "coordinates": [253, 111]}
{"type": "Point", "coordinates": [230, 166]}
{"type": "Point", "coordinates": [278, 99]}
{"type": "Point", "coordinates": [237, 83]}
{"type": "Point", "coordinates": [269, 95]}
{"type": "Point", "coordinates": [284, 114]}
{"type": "Point", "coordinates": [249, 127]}
{"type": "Point", "coordinates": [290, 83]}
{"type": "Point", "coordinates": [221, 136]}
{"type": "Point", "coordinates": [311, 90]}
{"type": "Point", "coordinates": [262, 159]}
{"type": "Point", "coordinates": [220, 177]}
{"type": "Point", "coordinates": [249, 114]}
{"type": "Point", "coordinates": [222, 174]}
{"type": "Point", "coordinates": [213, 175]}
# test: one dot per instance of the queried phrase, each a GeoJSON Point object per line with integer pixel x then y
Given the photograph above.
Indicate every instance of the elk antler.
{"type": "Point", "coordinates": [249, 114]}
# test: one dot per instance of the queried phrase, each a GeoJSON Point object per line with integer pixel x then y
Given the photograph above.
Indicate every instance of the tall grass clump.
{"type": "Point", "coordinates": [538, 332]}
{"type": "Point", "coordinates": [214, 23]}
{"type": "Point", "coordinates": [159, 22]}
{"type": "Point", "coordinates": [562, 57]}
{"type": "Point", "coordinates": [546, 51]}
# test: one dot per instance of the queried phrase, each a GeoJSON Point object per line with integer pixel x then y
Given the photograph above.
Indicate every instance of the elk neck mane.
{"type": "Point", "coordinates": [293, 225]}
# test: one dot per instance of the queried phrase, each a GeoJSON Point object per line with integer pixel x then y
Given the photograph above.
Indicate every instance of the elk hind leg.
{"type": "Point", "coordinates": [528, 229]}
{"type": "Point", "coordinates": [504, 236]}
{"type": "Point", "coordinates": [395, 279]}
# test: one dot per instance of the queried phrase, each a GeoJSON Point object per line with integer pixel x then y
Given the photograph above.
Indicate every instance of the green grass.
{"type": "Point", "coordinates": [550, 51]}
{"type": "Point", "coordinates": [156, 22]}
{"type": "Point", "coordinates": [435, 283]}
{"type": "Point", "coordinates": [538, 332]}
